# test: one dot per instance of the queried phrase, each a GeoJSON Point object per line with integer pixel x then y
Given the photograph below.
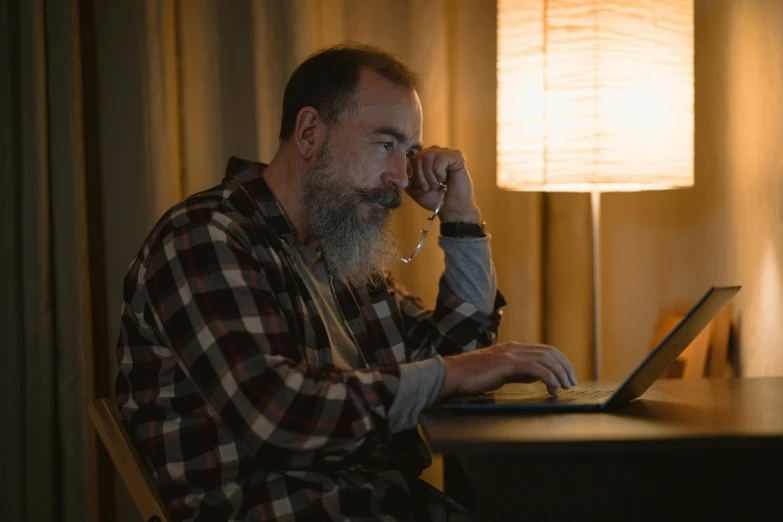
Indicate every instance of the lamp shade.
{"type": "Point", "coordinates": [595, 95]}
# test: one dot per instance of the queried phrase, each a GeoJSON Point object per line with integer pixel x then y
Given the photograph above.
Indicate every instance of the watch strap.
{"type": "Point", "coordinates": [463, 229]}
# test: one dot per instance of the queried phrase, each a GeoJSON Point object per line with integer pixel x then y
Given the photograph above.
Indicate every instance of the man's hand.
{"type": "Point", "coordinates": [489, 368]}
{"type": "Point", "coordinates": [434, 165]}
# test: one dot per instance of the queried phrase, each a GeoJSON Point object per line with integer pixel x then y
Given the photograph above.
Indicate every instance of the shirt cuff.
{"type": "Point", "coordinates": [469, 270]}
{"type": "Point", "coordinates": [420, 385]}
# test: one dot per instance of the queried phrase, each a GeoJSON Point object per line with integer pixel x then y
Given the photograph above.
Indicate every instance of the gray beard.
{"type": "Point", "coordinates": [356, 248]}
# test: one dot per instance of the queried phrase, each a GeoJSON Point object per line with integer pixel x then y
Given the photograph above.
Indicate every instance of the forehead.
{"type": "Point", "coordinates": [381, 103]}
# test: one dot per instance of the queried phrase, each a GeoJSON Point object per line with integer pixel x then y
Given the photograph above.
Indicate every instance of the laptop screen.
{"type": "Point", "coordinates": [674, 343]}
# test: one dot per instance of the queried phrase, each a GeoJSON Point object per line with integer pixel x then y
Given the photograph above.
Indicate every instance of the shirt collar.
{"type": "Point", "coordinates": [249, 175]}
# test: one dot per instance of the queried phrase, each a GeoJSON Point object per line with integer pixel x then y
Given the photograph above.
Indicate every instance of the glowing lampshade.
{"type": "Point", "coordinates": [595, 95]}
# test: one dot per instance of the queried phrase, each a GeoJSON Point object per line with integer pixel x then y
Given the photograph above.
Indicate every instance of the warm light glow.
{"type": "Point", "coordinates": [595, 95]}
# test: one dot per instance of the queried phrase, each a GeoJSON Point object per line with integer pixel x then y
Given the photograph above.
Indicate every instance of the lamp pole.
{"type": "Point", "coordinates": [595, 207]}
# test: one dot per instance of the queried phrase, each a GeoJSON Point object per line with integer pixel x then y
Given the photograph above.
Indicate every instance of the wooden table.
{"type": "Point", "coordinates": [708, 449]}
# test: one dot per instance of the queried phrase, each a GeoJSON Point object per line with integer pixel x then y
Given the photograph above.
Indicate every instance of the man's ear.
{"type": "Point", "coordinates": [308, 133]}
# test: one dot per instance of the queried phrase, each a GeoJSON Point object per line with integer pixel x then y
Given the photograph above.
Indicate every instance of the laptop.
{"type": "Point", "coordinates": [594, 396]}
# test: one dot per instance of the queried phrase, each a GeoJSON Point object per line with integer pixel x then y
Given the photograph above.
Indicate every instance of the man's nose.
{"type": "Point", "coordinates": [397, 172]}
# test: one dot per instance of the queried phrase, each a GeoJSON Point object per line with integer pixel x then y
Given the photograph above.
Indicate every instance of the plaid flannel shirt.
{"type": "Point", "coordinates": [226, 380]}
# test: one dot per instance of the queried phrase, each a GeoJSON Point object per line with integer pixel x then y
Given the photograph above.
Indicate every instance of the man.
{"type": "Point", "coordinates": [268, 370]}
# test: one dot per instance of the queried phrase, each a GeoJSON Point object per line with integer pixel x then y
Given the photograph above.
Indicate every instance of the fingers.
{"type": "Point", "coordinates": [559, 371]}
{"type": "Point", "coordinates": [422, 168]}
{"type": "Point", "coordinates": [430, 167]}
{"type": "Point", "coordinates": [418, 175]}
{"type": "Point", "coordinates": [542, 373]}
{"type": "Point", "coordinates": [565, 363]}
{"type": "Point", "coordinates": [427, 162]}
{"type": "Point", "coordinates": [493, 366]}
{"type": "Point", "coordinates": [440, 165]}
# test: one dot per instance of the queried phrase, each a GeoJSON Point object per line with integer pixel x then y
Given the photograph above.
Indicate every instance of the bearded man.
{"type": "Point", "coordinates": [269, 367]}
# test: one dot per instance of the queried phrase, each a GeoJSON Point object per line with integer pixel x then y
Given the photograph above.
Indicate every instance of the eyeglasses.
{"type": "Point", "coordinates": [442, 187]}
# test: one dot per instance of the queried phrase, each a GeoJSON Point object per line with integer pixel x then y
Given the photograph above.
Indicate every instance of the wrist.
{"type": "Point", "coordinates": [459, 229]}
{"type": "Point", "coordinates": [449, 379]}
{"type": "Point", "coordinates": [470, 216]}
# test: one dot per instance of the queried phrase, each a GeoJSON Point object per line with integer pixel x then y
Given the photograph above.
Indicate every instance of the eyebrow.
{"type": "Point", "coordinates": [397, 134]}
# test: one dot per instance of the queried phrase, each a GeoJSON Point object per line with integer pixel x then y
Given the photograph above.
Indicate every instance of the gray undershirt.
{"type": "Point", "coordinates": [469, 273]}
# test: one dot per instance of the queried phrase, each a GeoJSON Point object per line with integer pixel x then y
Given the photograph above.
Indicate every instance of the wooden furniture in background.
{"type": "Point", "coordinates": [718, 360]}
{"type": "Point", "coordinates": [110, 427]}
{"type": "Point", "coordinates": [707, 355]}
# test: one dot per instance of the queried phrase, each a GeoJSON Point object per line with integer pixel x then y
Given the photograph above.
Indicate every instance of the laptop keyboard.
{"type": "Point", "coordinates": [564, 396]}
{"type": "Point", "coordinates": [583, 396]}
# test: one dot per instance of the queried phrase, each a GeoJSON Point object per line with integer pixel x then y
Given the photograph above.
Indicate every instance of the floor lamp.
{"type": "Point", "coordinates": [594, 96]}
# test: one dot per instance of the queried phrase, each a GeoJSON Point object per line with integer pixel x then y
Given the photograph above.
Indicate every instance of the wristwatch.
{"type": "Point", "coordinates": [463, 229]}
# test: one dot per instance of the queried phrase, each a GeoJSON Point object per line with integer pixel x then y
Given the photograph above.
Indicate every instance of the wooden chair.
{"type": "Point", "coordinates": [143, 490]}
{"type": "Point", "coordinates": [707, 355]}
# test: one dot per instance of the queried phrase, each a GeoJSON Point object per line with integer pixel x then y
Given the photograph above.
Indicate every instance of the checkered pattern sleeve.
{"type": "Point", "coordinates": [221, 305]}
{"type": "Point", "coordinates": [453, 327]}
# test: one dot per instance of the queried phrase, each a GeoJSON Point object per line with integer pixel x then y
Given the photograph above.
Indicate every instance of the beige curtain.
{"type": "Point", "coordinates": [114, 111]}
{"type": "Point", "coordinates": [49, 463]}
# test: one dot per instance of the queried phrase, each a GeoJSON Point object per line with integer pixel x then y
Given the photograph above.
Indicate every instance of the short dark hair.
{"type": "Point", "coordinates": [327, 81]}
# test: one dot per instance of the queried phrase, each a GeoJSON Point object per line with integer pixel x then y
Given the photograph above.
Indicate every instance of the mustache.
{"type": "Point", "coordinates": [388, 196]}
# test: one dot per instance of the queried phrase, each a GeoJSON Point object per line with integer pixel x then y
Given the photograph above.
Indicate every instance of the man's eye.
{"type": "Point", "coordinates": [410, 153]}
{"type": "Point", "coordinates": [386, 145]}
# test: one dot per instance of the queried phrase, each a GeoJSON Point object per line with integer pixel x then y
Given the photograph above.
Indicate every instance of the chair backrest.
{"type": "Point", "coordinates": [143, 490]}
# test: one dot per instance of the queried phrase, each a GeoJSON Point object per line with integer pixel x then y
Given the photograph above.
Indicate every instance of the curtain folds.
{"type": "Point", "coordinates": [50, 462]}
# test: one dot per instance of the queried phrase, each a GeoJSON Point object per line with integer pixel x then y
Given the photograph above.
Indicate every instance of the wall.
{"type": "Point", "coordinates": [755, 179]}
{"type": "Point", "coordinates": [662, 247]}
